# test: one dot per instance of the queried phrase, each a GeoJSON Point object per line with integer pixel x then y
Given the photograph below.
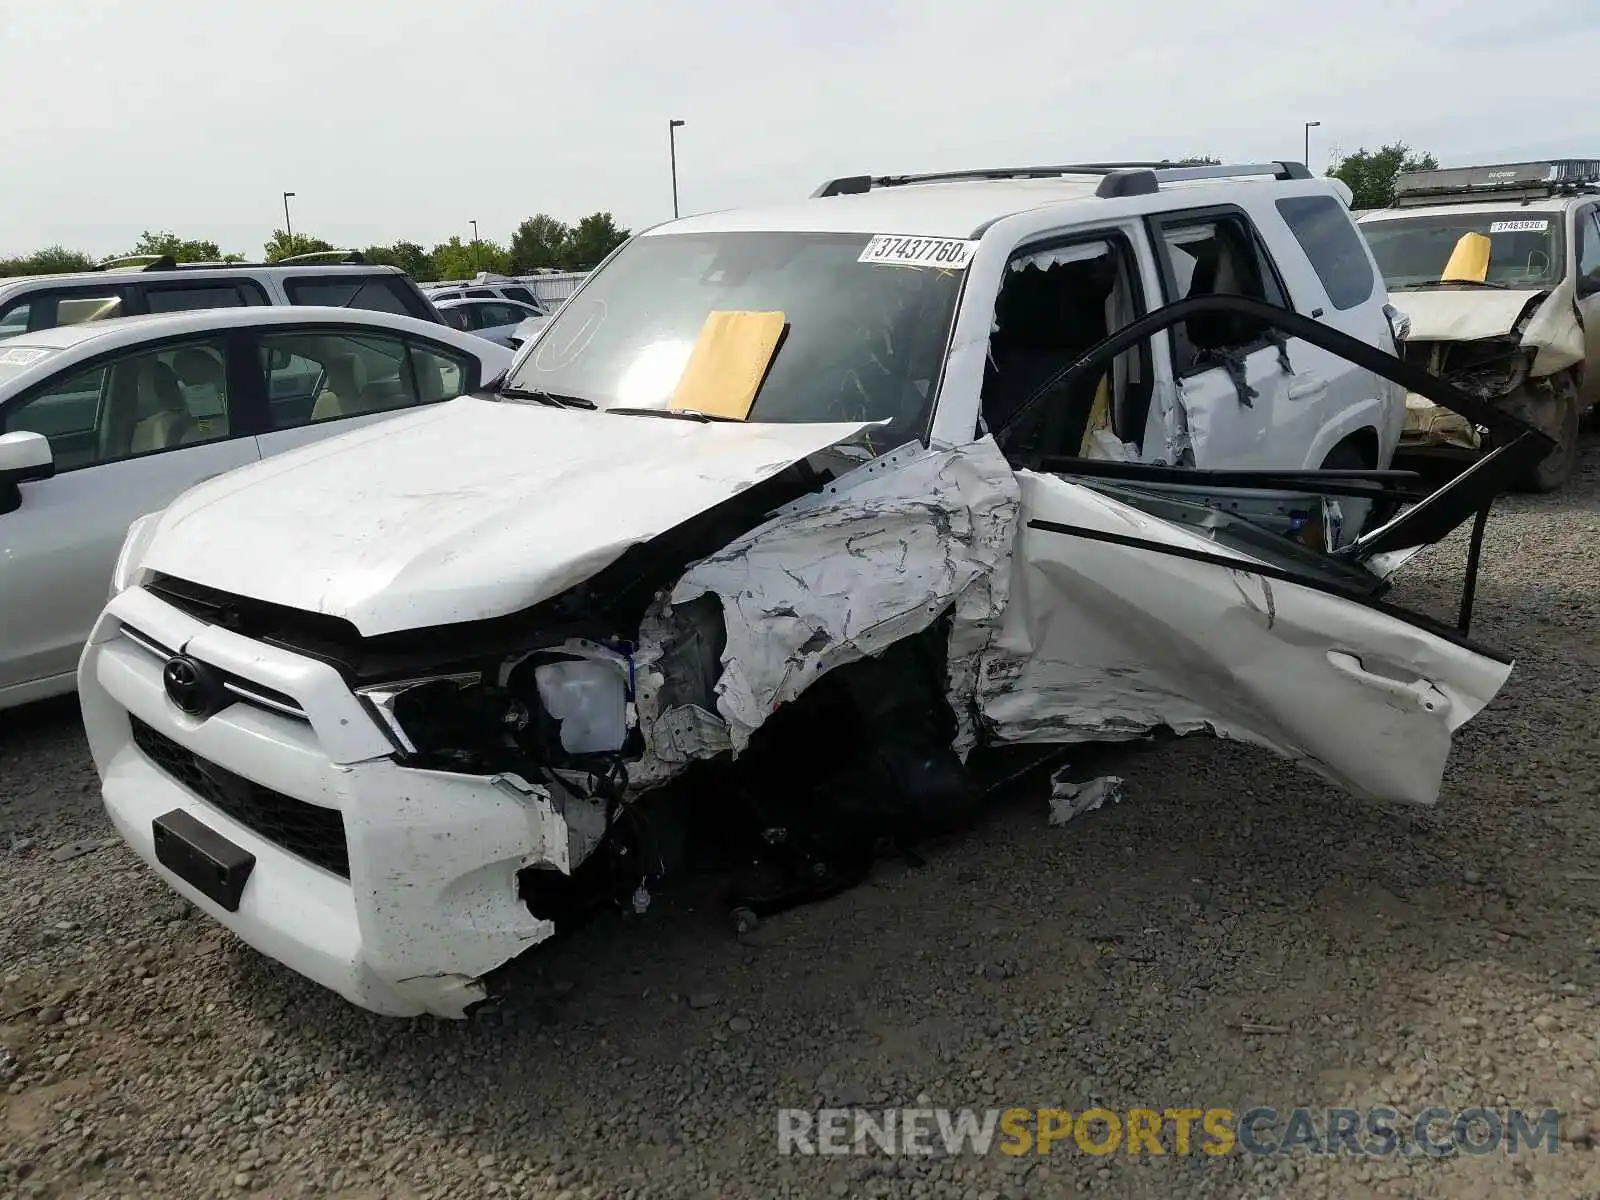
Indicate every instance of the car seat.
{"type": "Point", "coordinates": [163, 418]}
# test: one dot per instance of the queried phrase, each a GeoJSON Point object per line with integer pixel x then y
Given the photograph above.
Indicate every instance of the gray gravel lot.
{"type": "Point", "coordinates": [1443, 956]}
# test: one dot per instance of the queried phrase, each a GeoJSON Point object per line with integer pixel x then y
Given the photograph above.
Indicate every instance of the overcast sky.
{"type": "Point", "coordinates": [408, 118]}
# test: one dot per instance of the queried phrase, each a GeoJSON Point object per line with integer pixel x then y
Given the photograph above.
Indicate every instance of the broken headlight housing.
{"type": "Point", "coordinates": [561, 708]}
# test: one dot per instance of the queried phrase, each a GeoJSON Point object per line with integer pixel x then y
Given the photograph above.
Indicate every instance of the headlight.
{"type": "Point", "coordinates": [555, 710]}
{"type": "Point", "coordinates": [127, 572]}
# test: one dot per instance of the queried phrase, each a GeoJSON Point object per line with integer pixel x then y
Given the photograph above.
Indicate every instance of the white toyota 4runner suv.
{"type": "Point", "coordinates": [773, 541]}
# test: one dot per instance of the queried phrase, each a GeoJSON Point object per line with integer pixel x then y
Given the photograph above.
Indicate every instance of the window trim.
{"type": "Point", "coordinates": [1118, 237]}
{"type": "Point", "coordinates": [226, 338]}
{"type": "Point", "coordinates": [255, 392]}
{"type": "Point", "coordinates": [1374, 280]}
{"type": "Point", "coordinates": [1182, 351]}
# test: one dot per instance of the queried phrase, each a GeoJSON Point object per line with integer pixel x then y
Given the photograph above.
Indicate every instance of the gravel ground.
{"type": "Point", "coordinates": [1445, 956]}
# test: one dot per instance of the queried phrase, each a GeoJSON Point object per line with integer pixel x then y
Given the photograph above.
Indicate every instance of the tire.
{"type": "Point", "coordinates": [1347, 456]}
{"type": "Point", "coordinates": [1556, 469]}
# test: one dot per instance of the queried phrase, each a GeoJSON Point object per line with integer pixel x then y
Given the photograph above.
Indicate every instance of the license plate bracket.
{"type": "Point", "coordinates": [202, 858]}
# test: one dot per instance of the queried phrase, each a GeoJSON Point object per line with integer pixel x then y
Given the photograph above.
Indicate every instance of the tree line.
{"type": "Point", "coordinates": [542, 242]}
{"type": "Point", "coordinates": [539, 243]}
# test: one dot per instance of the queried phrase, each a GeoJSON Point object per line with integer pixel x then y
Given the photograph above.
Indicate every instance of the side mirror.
{"type": "Point", "coordinates": [24, 457]}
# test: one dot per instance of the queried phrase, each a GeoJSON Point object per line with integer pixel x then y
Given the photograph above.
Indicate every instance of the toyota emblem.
{"type": "Point", "coordinates": [194, 687]}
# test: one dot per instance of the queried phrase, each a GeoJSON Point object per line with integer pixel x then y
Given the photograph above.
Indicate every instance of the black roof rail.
{"type": "Point", "coordinates": [353, 257]}
{"type": "Point", "coordinates": [1147, 181]}
{"type": "Point", "coordinates": [137, 262]}
{"type": "Point", "coordinates": [1141, 177]}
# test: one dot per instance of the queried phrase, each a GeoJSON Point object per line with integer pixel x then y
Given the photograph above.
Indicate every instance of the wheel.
{"type": "Point", "coordinates": [1358, 514]}
{"type": "Point", "coordinates": [1556, 469]}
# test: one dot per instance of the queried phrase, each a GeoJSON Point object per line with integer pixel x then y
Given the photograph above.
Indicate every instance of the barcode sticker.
{"type": "Point", "coordinates": [888, 249]}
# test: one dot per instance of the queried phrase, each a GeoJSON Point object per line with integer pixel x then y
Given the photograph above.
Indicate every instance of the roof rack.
{"type": "Point", "coordinates": [1511, 181]}
{"type": "Point", "coordinates": [1117, 178]}
{"type": "Point", "coordinates": [353, 257]}
{"type": "Point", "coordinates": [137, 262]}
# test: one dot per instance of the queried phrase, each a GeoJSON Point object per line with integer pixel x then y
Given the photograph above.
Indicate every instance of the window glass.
{"type": "Point", "coordinates": [141, 403]}
{"type": "Point", "coordinates": [186, 297]}
{"type": "Point", "coordinates": [77, 307]}
{"type": "Point", "coordinates": [15, 320]}
{"type": "Point", "coordinates": [1323, 227]}
{"type": "Point", "coordinates": [441, 375]}
{"type": "Point", "coordinates": [1589, 243]}
{"type": "Point", "coordinates": [1525, 249]}
{"type": "Point", "coordinates": [519, 293]}
{"type": "Point", "coordinates": [378, 293]}
{"type": "Point", "coordinates": [324, 376]}
{"type": "Point", "coordinates": [456, 318]}
{"type": "Point", "coordinates": [479, 293]}
{"type": "Point", "coordinates": [1216, 256]}
{"type": "Point", "coordinates": [862, 340]}
{"type": "Point", "coordinates": [493, 315]}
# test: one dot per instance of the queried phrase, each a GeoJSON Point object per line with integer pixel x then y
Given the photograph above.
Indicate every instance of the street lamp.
{"type": "Point", "coordinates": [1310, 125]}
{"type": "Point", "coordinates": [672, 148]}
{"type": "Point", "coordinates": [288, 229]}
{"type": "Point", "coordinates": [474, 247]}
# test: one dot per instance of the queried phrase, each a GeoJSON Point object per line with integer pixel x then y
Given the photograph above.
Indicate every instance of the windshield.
{"type": "Point", "coordinates": [1524, 247]}
{"type": "Point", "coordinates": [16, 359]}
{"type": "Point", "coordinates": [861, 341]}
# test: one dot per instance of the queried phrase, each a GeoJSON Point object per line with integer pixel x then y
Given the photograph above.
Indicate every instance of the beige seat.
{"type": "Point", "coordinates": [343, 392]}
{"type": "Point", "coordinates": [164, 420]}
{"type": "Point", "coordinates": [202, 371]}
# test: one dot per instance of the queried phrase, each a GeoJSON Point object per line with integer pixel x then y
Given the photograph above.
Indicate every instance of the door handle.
{"type": "Point", "coordinates": [1307, 387]}
{"type": "Point", "coordinates": [1419, 694]}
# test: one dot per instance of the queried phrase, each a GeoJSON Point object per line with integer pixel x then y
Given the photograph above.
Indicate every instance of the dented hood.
{"type": "Point", "coordinates": [464, 511]}
{"type": "Point", "coordinates": [1456, 314]}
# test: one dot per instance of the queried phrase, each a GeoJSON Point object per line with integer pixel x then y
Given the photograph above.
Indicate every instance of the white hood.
{"type": "Point", "coordinates": [463, 511]}
{"type": "Point", "coordinates": [1453, 314]}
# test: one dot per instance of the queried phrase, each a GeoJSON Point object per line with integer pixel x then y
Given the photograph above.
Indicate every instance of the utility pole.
{"type": "Point", "coordinates": [672, 149]}
{"type": "Point", "coordinates": [288, 229]}
{"type": "Point", "coordinates": [474, 247]}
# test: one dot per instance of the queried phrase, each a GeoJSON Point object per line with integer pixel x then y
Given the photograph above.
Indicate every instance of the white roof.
{"type": "Point", "coordinates": [1507, 204]}
{"type": "Point", "coordinates": [126, 330]}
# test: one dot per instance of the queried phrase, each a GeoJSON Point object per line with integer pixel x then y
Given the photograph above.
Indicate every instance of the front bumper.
{"type": "Point", "coordinates": [1430, 425]}
{"type": "Point", "coordinates": [430, 904]}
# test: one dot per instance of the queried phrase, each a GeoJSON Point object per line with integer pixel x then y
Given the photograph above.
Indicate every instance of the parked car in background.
{"type": "Point", "coordinates": [142, 284]}
{"type": "Point", "coordinates": [496, 320]}
{"type": "Point", "coordinates": [1498, 270]}
{"type": "Point", "coordinates": [527, 330]}
{"type": "Point", "coordinates": [484, 286]}
{"type": "Point", "coordinates": [103, 421]}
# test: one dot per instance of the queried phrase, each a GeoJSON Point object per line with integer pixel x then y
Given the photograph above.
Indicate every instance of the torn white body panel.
{"type": "Point", "coordinates": [1104, 641]}
{"type": "Point", "coordinates": [1545, 318]}
{"type": "Point", "coordinates": [464, 511]}
{"type": "Point", "coordinates": [874, 558]}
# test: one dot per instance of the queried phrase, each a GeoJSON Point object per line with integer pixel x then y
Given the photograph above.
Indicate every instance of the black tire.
{"type": "Point", "coordinates": [1348, 456]}
{"type": "Point", "coordinates": [1557, 468]}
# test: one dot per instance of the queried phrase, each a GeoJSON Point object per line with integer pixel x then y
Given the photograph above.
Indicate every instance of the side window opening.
{"type": "Point", "coordinates": [142, 403]}
{"type": "Point", "coordinates": [1326, 232]}
{"type": "Point", "coordinates": [1589, 243]}
{"type": "Point", "coordinates": [378, 293]}
{"type": "Point", "coordinates": [521, 294]}
{"type": "Point", "coordinates": [1054, 305]}
{"type": "Point", "coordinates": [324, 376]}
{"type": "Point", "coordinates": [1215, 256]}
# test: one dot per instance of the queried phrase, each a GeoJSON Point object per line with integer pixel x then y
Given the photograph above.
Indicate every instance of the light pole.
{"type": "Point", "coordinates": [474, 247]}
{"type": "Point", "coordinates": [672, 149]}
{"type": "Point", "coordinates": [288, 229]}
{"type": "Point", "coordinates": [1310, 125]}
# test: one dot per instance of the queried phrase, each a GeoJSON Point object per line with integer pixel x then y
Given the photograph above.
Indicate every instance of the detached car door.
{"type": "Point", "coordinates": [129, 433]}
{"type": "Point", "coordinates": [1147, 596]}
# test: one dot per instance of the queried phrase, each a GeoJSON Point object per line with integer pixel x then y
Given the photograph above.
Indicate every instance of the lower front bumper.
{"type": "Point", "coordinates": [431, 903]}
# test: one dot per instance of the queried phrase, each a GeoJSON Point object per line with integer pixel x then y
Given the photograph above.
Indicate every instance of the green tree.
{"type": "Point", "coordinates": [456, 259]}
{"type": "Point", "coordinates": [51, 260]}
{"type": "Point", "coordinates": [1370, 174]}
{"type": "Point", "coordinates": [594, 237]}
{"type": "Point", "coordinates": [285, 245]}
{"type": "Point", "coordinates": [181, 250]}
{"type": "Point", "coordinates": [540, 241]}
{"type": "Point", "coordinates": [408, 256]}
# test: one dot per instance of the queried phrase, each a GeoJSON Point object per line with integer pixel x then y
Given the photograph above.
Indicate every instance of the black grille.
{"type": "Point", "coordinates": [315, 834]}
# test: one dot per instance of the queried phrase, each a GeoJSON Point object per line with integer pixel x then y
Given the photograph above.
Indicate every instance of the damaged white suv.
{"type": "Point", "coordinates": [787, 524]}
